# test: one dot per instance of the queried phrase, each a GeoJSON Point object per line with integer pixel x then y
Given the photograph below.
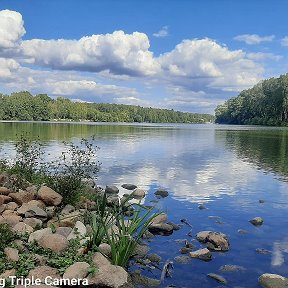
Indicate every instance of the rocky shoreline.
{"type": "Point", "coordinates": [40, 220]}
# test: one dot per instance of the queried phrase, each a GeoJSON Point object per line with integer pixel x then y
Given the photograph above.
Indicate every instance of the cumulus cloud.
{"type": "Point", "coordinates": [11, 29]}
{"type": "Point", "coordinates": [252, 39]}
{"type": "Point", "coordinates": [204, 64]}
{"type": "Point", "coordinates": [8, 67]}
{"type": "Point", "coordinates": [118, 53]}
{"type": "Point", "coordinates": [284, 41]}
{"type": "Point", "coordinates": [163, 32]}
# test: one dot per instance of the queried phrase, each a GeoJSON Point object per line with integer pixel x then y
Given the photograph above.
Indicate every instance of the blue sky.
{"type": "Point", "coordinates": [185, 55]}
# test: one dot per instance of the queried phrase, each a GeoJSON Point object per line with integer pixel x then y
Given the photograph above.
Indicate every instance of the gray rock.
{"type": "Point", "coordinates": [242, 231]}
{"type": "Point", "coordinates": [129, 186]}
{"type": "Point", "coordinates": [105, 249]}
{"type": "Point", "coordinates": [138, 193]}
{"type": "Point", "coordinates": [231, 268]}
{"type": "Point", "coordinates": [182, 259]}
{"type": "Point", "coordinates": [257, 221]}
{"type": "Point", "coordinates": [162, 229]}
{"type": "Point", "coordinates": [55, 242]}
{"type": "Point", "coordinates": [36, 212]}
{"type": "Point", "coordinates": [64, 231]}
{"type": "Point", "coordinates": [138, 279]}
{"type": "Point", "coordinates": [67, 209]}
{"type": "Point", "coordinates": [273, 281]}
{"type": "Point", "coordinates": [41, 272]}
{"type": "Point", "coordinates": [23, 228]}
{"type": "Point", "coordinates": [263, 251]}
{"type": "Point", "coordinates": [12, 254]}
{"type": "Point", "coordinates": [217, 277]}
{"type": "Point", "coordinates": [141, 250]}
{"type": "Point", "coordinates": [111, 189]}
{"type": "Point", "coordinates": [49, 196]}
{"type": "Point", "coordinates": [154, 258]}
{"type": "Point", "coordinates": [108, 275]}
{"type": "Point", "coordinates": [161, 193]}
{"type": "Point", "coordinates": [216, 241]}
{"type": "Point", "coordinates": [78, 270]}
{"type": "Point", "coordinates": [201, 207]}
{"type": "Point", "coordinates": [37, 235]}
{"type": "Point", "coordinates": [202, 254]}
{"type": "Point", "coordinates": [33, 222]}
{"type": "Point", "coordinates": [79, 231]}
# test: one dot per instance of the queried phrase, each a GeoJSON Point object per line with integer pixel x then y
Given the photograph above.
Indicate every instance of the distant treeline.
{"type": "Point", "coordinates": [264, 104]}
{"type": "Point", "coordinates": [25, 106]}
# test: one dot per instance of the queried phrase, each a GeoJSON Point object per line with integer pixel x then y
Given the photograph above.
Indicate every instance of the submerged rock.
{"type": "Point", "coordinates": [273, 281]}
{"type": "Point", "coordinates": [138, 279]}
{"type": "Point", "coordinates": [217, 277]}
{"type": "Point", "coordinates": [161, 193]}
{"type": "Point", "coordinates": [231, 268]}
{"type": "Point", "coordinates": [257, 221]}
{"type": "Point", "coordinates": [182, 259]}
{"type": "Point", "coordinates": [263, 251]}
{"type": "Point", "coordinates": [129, 186]}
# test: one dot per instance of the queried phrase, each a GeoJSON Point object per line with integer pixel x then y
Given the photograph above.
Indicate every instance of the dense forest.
{"type": "Point", "coordinates": [25, 106]}
{"type": "Point", "coordinates": [264, 104]}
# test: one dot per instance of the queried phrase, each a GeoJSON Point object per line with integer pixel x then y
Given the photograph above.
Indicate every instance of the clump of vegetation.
{"type": "Point", "coordinates": [120, 232]}
{"type": "Point", "coordinates": [6, 236]}
{"type": "Point", "coordinates": [65, 174]}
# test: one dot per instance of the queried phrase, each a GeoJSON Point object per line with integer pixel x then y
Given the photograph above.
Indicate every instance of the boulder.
{"type": "Point", "coordinates": [37, 235]}
{"type": "Point", "coordinates": [22, 197]}
{"type": "Point", "coordinates": [4, 191]}
{"type": "Point", "coordinates": [11, 219]}
{"type": "Point", "coordinates": [6, 274]}
{"type": "Point", "coordinates": [11, 206]}
{"type": "Point", "coordinates": [257, 221]}
{"type": "Point", "coordinates": [33, 222]}
{"type": "Point", "coordinates": [161, 193]}
{"type": "Point", "coordinates": [182, 259]}
{"type": "Point", "coordinates": [42, 272]}
{"type": "Point", "coordinates": [111, 189]}
{"type": "Point", "coordinates": [129, 186]}
{"type": "Point", "coordinates": [216, 241]}
{"type": "Point", "coordinates": [49, 196]}
{"type": "Point", "coordinates": [67, 209]}
{"type": "Point", "coordinates": [202, 254]}
{"type": "Point", "coordinates": [12, 254]}
{"type": "Point", "coordinates": [138, 193]}
{"type": "Point", "coordinates": [55, 242]}
{"type": "Point", "coordinates": [108, 275]}
{"type": "Point", "coordinates": [23, 228]}
{"type": "Point", "coordinates": [36, 212]}
{"type": "Point", "coordinates": [79, 231]}
{"type": "Point", "coordinates": [273, 281]}
{"type": "Point", "coordinates": [4, 199]}
{"type": "Point", "coordinates": [78, 270]}
{"type": "Point", "coordinates": [105, 249]}
{"type": "Point", "coordinates": [64, 231]}
{"type": "Point", "coordinates": [160, 228]}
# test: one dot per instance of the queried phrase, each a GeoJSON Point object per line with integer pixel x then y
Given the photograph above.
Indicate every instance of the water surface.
{"type": "Point", "coordinates": [228, 168]}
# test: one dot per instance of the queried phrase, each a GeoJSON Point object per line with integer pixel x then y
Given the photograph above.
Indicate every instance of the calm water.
{"type": "Point", "coordinates": [228, 168]}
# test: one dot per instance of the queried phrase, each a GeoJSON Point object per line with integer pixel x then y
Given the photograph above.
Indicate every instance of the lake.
{"type": "Point", "coordinates": [226, 168]}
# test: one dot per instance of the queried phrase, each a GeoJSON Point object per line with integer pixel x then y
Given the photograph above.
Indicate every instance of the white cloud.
{"type": "Point", "coordinates": [118, 53]}
{"type": "Point", "coordinates": [263, 56]}
{"type": "Point", "coordinates": [8, 67]}
{"type": "Point", "coordinates": [284, 41]}
{"type": "Point", "coordinates": [163, 32]}
{"type": "Point", "coordinates": [204, 64]}
{"type": "Point", "coordinates": [11, 29]}
{"type": "Point", "coordinates": [252, 39]}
